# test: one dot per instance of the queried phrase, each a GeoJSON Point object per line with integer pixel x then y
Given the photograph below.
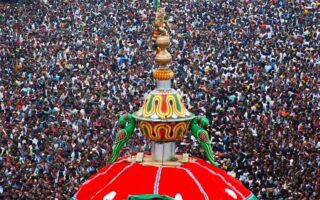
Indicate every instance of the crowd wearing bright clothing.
{"type": "Point", "coordinates": [70, 68]}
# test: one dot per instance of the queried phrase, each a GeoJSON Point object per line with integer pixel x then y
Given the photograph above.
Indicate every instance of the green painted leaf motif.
{"type": "Point", "coordinates": [180, 131]}
{"type": "Point", "coordinates": [150, 102]}
{"type": "Point", "coordinates": [145, 130]}
{"type": "Point", "coordinates": [177, 103]}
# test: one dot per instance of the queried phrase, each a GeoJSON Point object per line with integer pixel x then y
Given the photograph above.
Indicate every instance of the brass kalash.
{"type": "Point", "coordinates": [163, 117]}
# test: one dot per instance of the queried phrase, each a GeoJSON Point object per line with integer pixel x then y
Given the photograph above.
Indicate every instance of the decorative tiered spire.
{"type": "Point", "coordinates": [163, 117]}
{"type": "Point", "coordinates": [162, 39]}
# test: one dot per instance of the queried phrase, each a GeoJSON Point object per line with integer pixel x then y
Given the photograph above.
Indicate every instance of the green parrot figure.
{"type": "Point", "coordinates": [198, 126]}
{"type": "Point", "coordinates": [128, 123]}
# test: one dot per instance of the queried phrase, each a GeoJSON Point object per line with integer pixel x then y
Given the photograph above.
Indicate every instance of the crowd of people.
{"type": "Point", "coordinates": [69, 68]}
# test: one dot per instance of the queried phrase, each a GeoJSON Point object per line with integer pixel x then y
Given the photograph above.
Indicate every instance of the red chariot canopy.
{"type": "Point", "coordinates": [191, 181]}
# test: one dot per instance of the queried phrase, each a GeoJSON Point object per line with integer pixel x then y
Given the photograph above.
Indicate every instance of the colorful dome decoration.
{"type": "Point", "coordinates": [163, 116]}
{"type": "Point", "coordinates": [164, 132]}
{"type": "Point", "coordinates": [163, 119]}
{"type": "Point", "coordinates": [163, 105]}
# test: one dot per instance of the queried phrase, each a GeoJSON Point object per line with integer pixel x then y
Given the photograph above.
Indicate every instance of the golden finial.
{"type": "Point", "coordinates": [163, 57]}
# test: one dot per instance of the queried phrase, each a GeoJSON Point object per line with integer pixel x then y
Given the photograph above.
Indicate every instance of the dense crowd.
{"type": "Point", "coordinates": [69, 68]}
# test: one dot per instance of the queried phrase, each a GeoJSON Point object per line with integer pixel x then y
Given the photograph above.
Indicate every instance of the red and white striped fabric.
{"type": "Point", "coordinates": [194, 180]}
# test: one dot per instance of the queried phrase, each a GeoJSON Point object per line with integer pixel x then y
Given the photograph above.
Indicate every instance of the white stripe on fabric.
{"type": "Point", "coordinates": [100, 174]}
{"type": "Point", "coordinates": [196, 181]}
{"type": "Point", "coordinates": [222, 178]}
{"type": "Point", "coordinates": [114, 178]}
{"type": "Point", "coordinates": [157, 181]}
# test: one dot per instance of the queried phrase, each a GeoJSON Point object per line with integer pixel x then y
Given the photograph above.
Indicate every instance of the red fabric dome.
{"type": "Point", "coordinates": [193, 181]}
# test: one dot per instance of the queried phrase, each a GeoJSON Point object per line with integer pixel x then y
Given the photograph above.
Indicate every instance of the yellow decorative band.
{"type": "Point", "coordinates": [164, 131]}
{"type": "Point", "coordinates": [163, 106]}
{"type": "Point", "coordinates": [163, 74]}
